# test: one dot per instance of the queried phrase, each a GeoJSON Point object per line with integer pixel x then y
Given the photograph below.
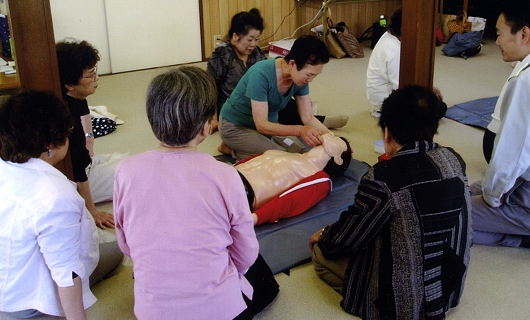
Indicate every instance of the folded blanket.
{"type": "Point", "coordinates": [475, 113]}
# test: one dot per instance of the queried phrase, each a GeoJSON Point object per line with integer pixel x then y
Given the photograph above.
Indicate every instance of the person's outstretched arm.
{"type": "Point", "coordinates": [306, 113]}
{"type": "Point", "coordinates": [102, 219]}
{"type": "Point", "coordinates": [86, 122]}
{"type": "Point", "coordinates": [260, 110]}
{"type": "Point", "coordinates": [72, 301]}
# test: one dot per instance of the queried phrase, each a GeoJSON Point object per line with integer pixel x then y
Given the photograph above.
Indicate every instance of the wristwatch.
{"type": "Point", "coordinates": [89, 134]}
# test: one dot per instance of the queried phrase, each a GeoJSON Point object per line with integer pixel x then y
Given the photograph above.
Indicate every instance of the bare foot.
{"type": "Point", "coordinates": [223, 148]}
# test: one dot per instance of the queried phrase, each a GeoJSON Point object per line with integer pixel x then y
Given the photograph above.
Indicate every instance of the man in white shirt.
{"type": "Point", "coordinates": [501, 202]}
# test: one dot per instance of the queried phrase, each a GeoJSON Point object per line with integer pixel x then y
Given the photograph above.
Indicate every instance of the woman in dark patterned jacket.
{"type": "Point", "coordinates": [401, 251]}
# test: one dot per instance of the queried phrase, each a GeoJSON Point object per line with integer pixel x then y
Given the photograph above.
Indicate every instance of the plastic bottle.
{"type": "Point", "coordinates": [382, 21]}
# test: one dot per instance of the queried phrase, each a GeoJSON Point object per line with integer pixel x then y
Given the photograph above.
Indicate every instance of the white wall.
{"type": "Point", "coordinates": [155, 33]}
{"type": "Point", "coordinates": [131, 22]}
{"type": "Point", "coordinates": [82, 20]}
{"type": "Point", "coordinates": [3, 7]}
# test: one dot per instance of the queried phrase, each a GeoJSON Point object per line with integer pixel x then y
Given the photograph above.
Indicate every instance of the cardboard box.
{"type": "Point", "coordinates": [280, 48]}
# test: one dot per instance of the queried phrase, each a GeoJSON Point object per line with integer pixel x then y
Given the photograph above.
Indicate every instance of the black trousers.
{"type": "Point", "coordinates": [487, 144]}
{"type": "Point", "coordinates": [265, 289]}
{"type": "Point", "coordinates": [290, 116]}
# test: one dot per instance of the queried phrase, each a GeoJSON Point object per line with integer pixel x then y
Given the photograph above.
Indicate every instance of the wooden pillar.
{"type": "Point", "coordinates": [418, 41]}
{"type": "Point", "coordinates": [35, 54]}
{"type": "Point", "coordinates": [36, 58]}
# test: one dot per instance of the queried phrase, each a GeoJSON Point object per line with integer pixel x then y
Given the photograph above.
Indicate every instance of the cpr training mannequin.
{"type": "Point", "coordinates": [282, 184]}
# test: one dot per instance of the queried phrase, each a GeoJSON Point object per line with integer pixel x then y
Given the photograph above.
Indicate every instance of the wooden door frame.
{"type": "Point", "coordinates": [35, 54]}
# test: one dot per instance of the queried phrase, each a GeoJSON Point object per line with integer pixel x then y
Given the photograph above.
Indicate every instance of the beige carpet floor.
{"type": "Point", "coordinates": [498, 283]}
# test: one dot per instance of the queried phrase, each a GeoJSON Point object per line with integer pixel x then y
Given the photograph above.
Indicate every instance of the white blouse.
{"type": "Point", "coordinates": [46, 233]}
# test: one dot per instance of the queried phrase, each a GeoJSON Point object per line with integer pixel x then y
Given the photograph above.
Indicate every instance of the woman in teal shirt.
{"type": "Point", "coordinates": [249, 118]}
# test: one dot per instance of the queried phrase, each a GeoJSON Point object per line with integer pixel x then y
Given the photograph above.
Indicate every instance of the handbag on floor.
{"type": "Point", "coordinates": [445, 29]}
{"type": "Point", "coordinates": [334, 47]}
{"type": "Point", "coordinates": [464, 45]}
{"type": "Point", "coordinates": [459, 24]}
{"type": "Point", "coordinates": [346, 39]}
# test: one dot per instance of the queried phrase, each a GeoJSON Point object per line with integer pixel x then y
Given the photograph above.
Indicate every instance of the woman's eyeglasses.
{"type": "Point", "coordinates": [92, 74]}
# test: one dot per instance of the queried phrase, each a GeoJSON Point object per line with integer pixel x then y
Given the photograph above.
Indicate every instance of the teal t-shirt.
{"type": "Point", "coordinates": [260, 84]}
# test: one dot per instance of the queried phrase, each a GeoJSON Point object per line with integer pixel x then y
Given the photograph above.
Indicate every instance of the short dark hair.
{"type": "Point", "coordinates": [29, 122]}
{"type": "Point", "coordinates": [73, 57]}
{"type": "Point", "coordinates": [516, 13]}
{"type": "Point", "coordinates": [333, 169]}
{"type": "Point", "coordinates": [410, 114]}
{"type": "Point", "coordinates": [395, 22]}
{"type": "Point", "coordinates": [308, 49]}
{"type": "Point", "coordinates": [179, 102]}
{"type": "Point", "coordinates": [242, 22]}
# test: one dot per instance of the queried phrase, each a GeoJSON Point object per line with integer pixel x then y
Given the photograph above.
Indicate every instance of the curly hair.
{"type": "Point", "coordinates": [410, 114]}
{"type": "Point", "coordinates": [29, 123]}
{"type": "Point", "coordinates": [74, 57]}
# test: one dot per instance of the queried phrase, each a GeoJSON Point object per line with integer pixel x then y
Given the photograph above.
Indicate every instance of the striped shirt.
{"type": "Point", "coordinates": [408, 235]}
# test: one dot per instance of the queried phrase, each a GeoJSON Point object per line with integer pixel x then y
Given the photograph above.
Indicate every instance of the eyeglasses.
{"type": "Point", "coordinates": [92, 74]}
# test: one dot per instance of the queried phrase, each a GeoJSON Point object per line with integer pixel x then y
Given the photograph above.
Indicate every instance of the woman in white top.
{"type": "Point", "coordinates": [48, 240]}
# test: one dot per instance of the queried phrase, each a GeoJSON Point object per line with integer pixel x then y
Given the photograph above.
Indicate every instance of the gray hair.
{"type": "Point", "coordinates": [179, 103]}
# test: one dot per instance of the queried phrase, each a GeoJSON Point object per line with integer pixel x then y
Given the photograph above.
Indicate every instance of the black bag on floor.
{"type": "Point", "coordinates": [373, 33]}
{"type": "Point", "coordinates": [464, 45]}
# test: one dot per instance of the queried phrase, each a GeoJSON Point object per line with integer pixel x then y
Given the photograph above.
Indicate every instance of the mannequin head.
{"type": "Point", "coordinates": [334, 146]}
{"type": "Point", "coordinates": [335, 167]}
{"type": "Point", "coordinates": [333, 156]}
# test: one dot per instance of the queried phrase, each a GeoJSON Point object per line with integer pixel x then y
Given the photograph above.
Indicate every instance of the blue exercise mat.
{"type": "Point", "coordinates": [285, 244]}
{"type": "Point", "coordinates": [474, 113]}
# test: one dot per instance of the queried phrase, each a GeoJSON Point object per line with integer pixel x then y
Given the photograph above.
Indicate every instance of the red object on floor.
{"type": "Point", "coordinates": [439, 36]}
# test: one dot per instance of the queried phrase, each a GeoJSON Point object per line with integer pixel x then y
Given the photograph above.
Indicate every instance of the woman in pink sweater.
{"type": "Point", "coordinates": [183, 217]}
